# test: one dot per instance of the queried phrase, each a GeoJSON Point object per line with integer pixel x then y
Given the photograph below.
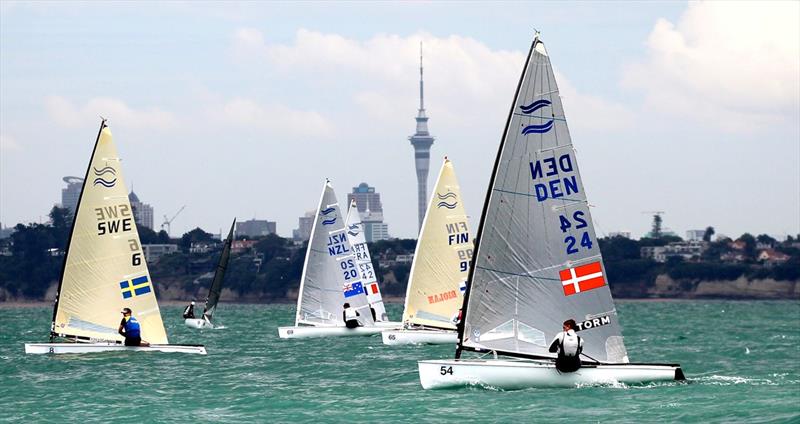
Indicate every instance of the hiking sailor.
{"type": "Point", "coordinates": [569, 346]}
{"type": "Point", "coordinates": [129, 328]}
{"type": "Point", "coordinates": [350, 316]}
{"type": "Point", "coordinates": [189, 311]}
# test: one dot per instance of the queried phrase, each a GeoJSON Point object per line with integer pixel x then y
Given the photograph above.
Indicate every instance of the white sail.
{"type": "Point", "coordinates": [104, 269]}
{"type": "Point", "coordinates": [355, 233]}
{"type": "Point", "coordinates": [441, 261]}
{"type": "Point", "coordinates": [537, 261]}
{"type": "Point", "coordinates": [330, 274]}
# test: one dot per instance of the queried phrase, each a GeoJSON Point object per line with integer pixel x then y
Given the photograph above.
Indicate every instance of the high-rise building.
{"type": "Point", "coordinates": [142, 212]}
{"type": "Point", "coordinates": [304, 224]}
{"type": "Point", "coordinates": [370, 209]}
{"type": "Point", "coordinates": [422, 141]}
{"type": "Point", "coordinates": [255, 228]}
{"type": "Point", "coordinates": [72, 193]}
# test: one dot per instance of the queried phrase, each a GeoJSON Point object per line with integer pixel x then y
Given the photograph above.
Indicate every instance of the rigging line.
{"type": "Point", "coordinates": [533, 195]}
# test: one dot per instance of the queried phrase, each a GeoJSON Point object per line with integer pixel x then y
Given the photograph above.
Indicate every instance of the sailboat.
{"type": "Point", "coordinates": [537, 262]}
{"type": "Point", "coordinates": [330, 279]}
{"type": "Point", "coordinates": [216, 287]}
{"type": "Point", "coordinates": [104, 269]}
{"type": "Point", "coordinates": [358, 242]}
{"type": "Point", "coordinates": [438, 276]}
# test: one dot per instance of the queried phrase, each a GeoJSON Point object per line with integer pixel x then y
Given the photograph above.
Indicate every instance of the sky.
{"type": "Point", "coordinates": [243, 109]}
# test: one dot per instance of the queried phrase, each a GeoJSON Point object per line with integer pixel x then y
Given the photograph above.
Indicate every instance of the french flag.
{"type": "Point", "coordinates": [582, 278]}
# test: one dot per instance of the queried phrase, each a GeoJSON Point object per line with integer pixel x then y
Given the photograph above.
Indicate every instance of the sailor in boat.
{"type": "Point", "coordinates": [189, 311]}
{"type": "Point", "coordinates": [129, 327]}
{"type": "Point", "coordinates": [350, 316]}
{"type": "Point", "coordinates": [569, 346]}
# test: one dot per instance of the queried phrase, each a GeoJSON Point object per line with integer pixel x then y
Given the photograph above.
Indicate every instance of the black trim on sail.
{"type": "Point", "coordinates": [53, 333]}
{"type": "Point", "coordinates": [460, 325]}
{"type": "Point", "coordinates": [216, 285]}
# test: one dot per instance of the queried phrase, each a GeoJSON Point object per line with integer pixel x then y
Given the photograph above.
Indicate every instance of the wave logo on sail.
{"type": "Point", "coordinates": [329, 220]}
{"type": "Point", "coordinates": [353, 230]}
{"type": "Point", "coordinates": [136, 287]}
{"type": "Point", "coordinates": [106, 177]}
{"type": "Point", "coordinates": [448, 200]}
{"type": "Point", "coordinates": [533, 107]}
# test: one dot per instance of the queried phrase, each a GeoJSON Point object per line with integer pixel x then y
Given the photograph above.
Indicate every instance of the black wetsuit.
{"type": "Point", "coordinates": [188, 312]}
{"type": "Point", "coordinates": [564, 362]}
{"type": "Point", "coordinates": [350, 323]}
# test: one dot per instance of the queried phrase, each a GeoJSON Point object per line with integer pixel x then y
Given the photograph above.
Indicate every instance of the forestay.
{"type": "Point", "coordinates": [438, 276]}
{"type": "Point", "coordinates": [330, 275]}
{"type": "Point", "coordinates": [537, 261]}
{"type": "Point", "coordinates": [355, 233]}
{"type": "Point", "coordinates": [219, 275]}
{"type": "Point", "coordinates": [104, 269]}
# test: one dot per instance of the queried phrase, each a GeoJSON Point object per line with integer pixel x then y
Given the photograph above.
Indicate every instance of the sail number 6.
{"type": "Point", "coordinates": [570, 241]}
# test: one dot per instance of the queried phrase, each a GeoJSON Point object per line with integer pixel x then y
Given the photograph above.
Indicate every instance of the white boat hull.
{"type": "Point", "coordinates": [61, 348]}
{"type": "Point", "coordinates": [308, 332]}
{"type": "Point", "coordinates": [198, 323]}
{"type": "Point", "coordinates": [520, 374]}
{"type": "Point", "coordinates": [389, 324]}
{"type": "Point", "coordinates": [405, 337]}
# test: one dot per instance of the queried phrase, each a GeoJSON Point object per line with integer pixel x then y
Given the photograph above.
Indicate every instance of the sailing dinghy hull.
{"type": "Point", "coordinates": [198, 323]}
{"type": "Point", "coordinates": [63, 348]}
{"type": "Point", "coordinates": [310, 332]}
{"type": "Point", "coordinates": [406, 337]}
{"type": "Point", "coordinates": [388, 324]}
{"type": "Point", "coordinates": [521, 374]}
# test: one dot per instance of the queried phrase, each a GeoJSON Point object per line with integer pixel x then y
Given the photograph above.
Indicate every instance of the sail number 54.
{"type": "Point", "coordinates": [444, 370]}
{"type": "Point", "coordinates": [579, 222]}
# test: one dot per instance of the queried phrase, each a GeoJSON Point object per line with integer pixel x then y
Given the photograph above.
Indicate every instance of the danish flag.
{"type": "Point", "coordinates": [582, 278]}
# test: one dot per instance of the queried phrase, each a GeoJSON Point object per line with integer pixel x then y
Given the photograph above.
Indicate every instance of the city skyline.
{"type": "Point", "coordinates": [255, 106]}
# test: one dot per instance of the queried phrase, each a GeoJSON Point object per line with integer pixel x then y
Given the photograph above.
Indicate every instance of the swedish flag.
{"type": "Point", "coordinates": [136, 287]}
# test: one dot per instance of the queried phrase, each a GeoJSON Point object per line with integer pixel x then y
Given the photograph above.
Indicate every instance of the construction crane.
{"type": "Point", "coordinates": [168, 221]}
{"type": "Point", "coordinates": [656, 232]}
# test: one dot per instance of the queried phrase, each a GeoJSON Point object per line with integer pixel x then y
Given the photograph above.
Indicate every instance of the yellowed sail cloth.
{"type": "Point", "coordinates": [105, 269]}
{"type": "Point", "coordinates": [441, 261]}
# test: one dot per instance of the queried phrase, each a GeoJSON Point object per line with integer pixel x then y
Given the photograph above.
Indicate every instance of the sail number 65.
{"type": "Point", "coordinates": [444, 370]}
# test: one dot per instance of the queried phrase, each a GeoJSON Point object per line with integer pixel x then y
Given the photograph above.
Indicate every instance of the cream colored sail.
{"type": "Point", "coordinates": [441, 261]}
{"type": "Point", "coordinates": [105, 269]}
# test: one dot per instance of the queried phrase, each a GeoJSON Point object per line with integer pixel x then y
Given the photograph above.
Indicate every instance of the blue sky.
{"type": "Point", "coordinates": [242, 109]}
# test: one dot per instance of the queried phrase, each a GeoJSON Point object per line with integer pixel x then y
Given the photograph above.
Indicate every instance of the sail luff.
{"type": "Point", "coordinates": [299, 309]}
{"type": "Point", "coordinates": [215, 290]}
{"type": "Point", "coordinates": [72, 230]}
{"type": "Point", "coordinates": [489, 190]}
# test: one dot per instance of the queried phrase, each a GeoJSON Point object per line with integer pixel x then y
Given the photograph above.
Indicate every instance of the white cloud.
{"type": "Point", "coordinates": [735, 65]}
{"type": "Point", "coordinates": [274, 118]}
{"type": "Point", "coordinates": [471, 82]}
{"type": "Point", "coordinates": [8, 143]}
{"type": "Point", "coordinates": [65, 113]}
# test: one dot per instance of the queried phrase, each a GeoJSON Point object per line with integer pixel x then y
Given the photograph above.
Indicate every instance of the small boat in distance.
{"type": "Point", "coordinates": [537, 262]}
{"type": "Point", "coordinates": [438, 277]}
{"type": "Point", "coordinates": [330, 279]}
{"type": "Point", "coordinates": [104, 269]}
{"type": "Point", "coordinates": [216, 287]}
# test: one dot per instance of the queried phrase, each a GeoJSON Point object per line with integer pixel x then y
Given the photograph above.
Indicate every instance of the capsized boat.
{"type": "Point", "coordinates": [437, 281]}
{"type": "Point", "coordinates": [358, 242]}
{"type": "Point", "coordinates": [105, 269]}
{"type": "Point", "coordinates": [330, 278]}
{"type": "Point", "coordinates": [537, 262]}
{"type": "Point", "coordinates": [216, 287]}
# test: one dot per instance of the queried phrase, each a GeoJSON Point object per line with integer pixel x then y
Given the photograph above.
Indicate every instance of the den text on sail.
{"type": "Point", "coordinates": [554, 177]}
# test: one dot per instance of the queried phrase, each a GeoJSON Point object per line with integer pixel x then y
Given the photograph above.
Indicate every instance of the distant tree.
{"type": "Point", "coordinates": [163, 237]}
{"type": "Point", "coordinates": [656, 230]}
{"type": "Point", "coordinates": [708, 234]}
{"type": "Point", "coordinates": [619, 248]}
{"type": "Point", "coordinates": [147, 235]}
{"type": "Point", "coordinates": [766, 239]}
{"type": "Point", "coordinates": [61, 219]}
{"type": "Point", "coordinates": [195, 236]}
{"type": "Point", "coordinates": [749, 245]}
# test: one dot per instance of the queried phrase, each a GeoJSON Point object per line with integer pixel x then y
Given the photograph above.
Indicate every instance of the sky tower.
{"type": "Point", "coordinates": [421, 140]}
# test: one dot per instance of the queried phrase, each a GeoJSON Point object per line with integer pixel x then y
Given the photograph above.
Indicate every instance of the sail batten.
{"type": "Point", "coordinates": [104, 267]}
{"type": "Point", "coordinates": [537, 261]}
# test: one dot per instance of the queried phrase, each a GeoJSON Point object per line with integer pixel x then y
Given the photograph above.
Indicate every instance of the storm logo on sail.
{"type": "Point", "coordinates": [445, 198]}
{"type": "Point", "coordinates": [533, 107]}
{"type": "Point", "coordinates": [106, 177]}
{"type": "Point", "coordinates": [326, 212]}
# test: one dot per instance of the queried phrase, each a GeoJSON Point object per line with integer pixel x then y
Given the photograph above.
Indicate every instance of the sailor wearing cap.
{"type": "Point", "coordinates": [130, 329]}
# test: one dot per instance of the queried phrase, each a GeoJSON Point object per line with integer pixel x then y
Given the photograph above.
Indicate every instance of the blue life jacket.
{"type": "Point", "coordinates": [132, 328]}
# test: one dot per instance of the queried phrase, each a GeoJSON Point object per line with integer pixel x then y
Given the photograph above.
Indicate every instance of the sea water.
{"type": "Point", "coordinates": [741, 359]}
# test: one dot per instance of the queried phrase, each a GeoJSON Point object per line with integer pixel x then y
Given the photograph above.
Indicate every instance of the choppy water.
{"type": "Point", "coordinates": [742, 360]}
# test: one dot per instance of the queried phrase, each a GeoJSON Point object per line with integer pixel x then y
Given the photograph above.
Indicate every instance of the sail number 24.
{"type": "Point", "coordinates": [578, 222]}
